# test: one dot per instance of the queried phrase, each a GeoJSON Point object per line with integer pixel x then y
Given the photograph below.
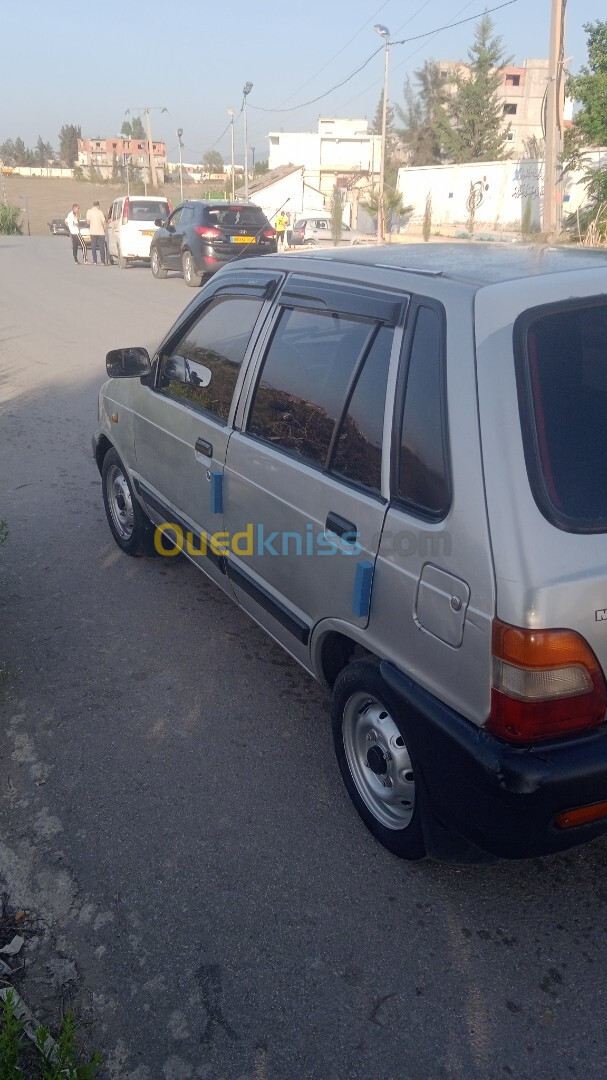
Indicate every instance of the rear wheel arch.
{"type": "Point", "coordinates": [334, 652]}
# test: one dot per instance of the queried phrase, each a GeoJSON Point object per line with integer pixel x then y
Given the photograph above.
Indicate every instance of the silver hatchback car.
{"type": "Point", "coordinates": [394, 460]}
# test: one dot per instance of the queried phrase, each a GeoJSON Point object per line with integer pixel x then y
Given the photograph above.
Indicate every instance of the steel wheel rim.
{"type": "Point", "coordinates": [188, 267]}
{"type": "Point", "coordinates": [120, 502]}
{"type": "Point", "coordinates": [379, 761]}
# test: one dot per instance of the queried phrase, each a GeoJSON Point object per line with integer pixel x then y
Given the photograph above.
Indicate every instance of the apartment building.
{"type": "Point", "coordinates": [104, 156]}
{"type": "Point", "coordinates": [521, 94]}
{"type": "Point", "coordinates": [341, 153]}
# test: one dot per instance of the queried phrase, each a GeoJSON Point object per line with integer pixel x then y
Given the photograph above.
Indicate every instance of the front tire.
{"type": "Point", "coordinates": [375, 763]}
{"type": "Point", "coordinates": [190, 276]}
{"type": "Point", "coordinates": [158, 270]}
{"type": "Point", "coordinates": [309, 243]}
{"type": "Point", "coordinates": [128, 524]}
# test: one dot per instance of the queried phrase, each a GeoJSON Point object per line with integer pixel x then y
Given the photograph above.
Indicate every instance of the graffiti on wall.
{"type": "Point", "coordinates": [528, 179]}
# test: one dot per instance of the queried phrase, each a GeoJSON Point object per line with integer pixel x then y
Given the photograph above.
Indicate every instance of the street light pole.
{"type": "Point", "coordinates": [179, 134]}
{"type": "Point", "coordinates": [385, 34]}
{"type": "Point", "coordinates": [253, 160]}
{"type": "Point", "coordinates": [231, 115]}
{"type": "Point", "coordinates": [248, 86]}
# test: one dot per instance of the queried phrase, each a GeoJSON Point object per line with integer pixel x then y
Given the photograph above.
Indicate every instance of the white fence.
{"type": "Point", "coordinates": [498, 191]}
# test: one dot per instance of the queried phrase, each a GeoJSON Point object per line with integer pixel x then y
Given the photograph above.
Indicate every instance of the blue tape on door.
{"type": "Point", "coordinates": [216, 493]}
{"type": "Point", "coordinates": [361, 600]}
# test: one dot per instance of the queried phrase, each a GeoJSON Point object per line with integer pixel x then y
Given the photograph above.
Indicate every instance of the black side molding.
{"type": "Point", "coordinates": [170, 516]}
{"type": "Point", "coordinates": [269, 603]}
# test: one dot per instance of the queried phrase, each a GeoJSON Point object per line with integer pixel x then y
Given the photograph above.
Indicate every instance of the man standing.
{"type": "Point", "coordinates": [280, 225]}
{"type": "Point", "coordinates": [73, 224]}
{"type": "Point", "coordinates": [95, 219]}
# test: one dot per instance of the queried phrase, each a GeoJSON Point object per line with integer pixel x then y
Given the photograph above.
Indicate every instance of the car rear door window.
{"type": "Point", "coordinates": [562, 382]}
{"type": "Point", "coordinates": [201, 370]}
{"type": "Point", "coordinates": [304, 381]}
{"type": "Point", "coordinates": [358, 448]}
{"type": "Point", "coordinates": [422, 466]}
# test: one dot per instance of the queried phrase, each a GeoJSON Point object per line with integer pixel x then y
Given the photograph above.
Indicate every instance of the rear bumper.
{"type": "Point", "coordinates": [499, 798]}
{"type": "Point", "coordinates": [209, 259]}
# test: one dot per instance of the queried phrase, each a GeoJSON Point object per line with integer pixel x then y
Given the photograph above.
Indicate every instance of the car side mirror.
{"type": "Point", "coordinates": [159, 222]}
{"type": "Point", "coordinates": [128, 363]}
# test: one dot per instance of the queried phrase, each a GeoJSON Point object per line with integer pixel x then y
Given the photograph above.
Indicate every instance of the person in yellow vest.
{"type": "Point", "coordinates": [280, 226]}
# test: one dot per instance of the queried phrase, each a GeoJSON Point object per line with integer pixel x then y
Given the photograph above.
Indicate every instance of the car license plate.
{"type": "Point", "coordinates": [146, 232]}
{"type": "Point", "coordinates": [242, 239]}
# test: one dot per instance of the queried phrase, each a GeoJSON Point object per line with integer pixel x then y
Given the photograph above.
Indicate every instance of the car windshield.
{"type": "Point", "coordinates": [234, 217]}
{"type": "Point", "coordinates": [566, 387]}
{"type": "Point", "coordinates": [147, 210]}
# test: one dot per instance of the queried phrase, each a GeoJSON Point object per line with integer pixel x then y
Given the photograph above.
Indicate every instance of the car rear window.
{"type": "Point", "coordinates": [143, 210]}
{"type": "Point", "coordinates": [232, 217]}
{"type": "Point", "coordinates": [562, 372]}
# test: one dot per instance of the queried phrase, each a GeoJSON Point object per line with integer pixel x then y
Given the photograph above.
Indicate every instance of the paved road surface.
{"type": "Point", "coordinates": [191, 847]}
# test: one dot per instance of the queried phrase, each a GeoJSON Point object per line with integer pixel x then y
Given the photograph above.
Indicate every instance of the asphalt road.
{"type": "Point", "coordinates": [171, 809]}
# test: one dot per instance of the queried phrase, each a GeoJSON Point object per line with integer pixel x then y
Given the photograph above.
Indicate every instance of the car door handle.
{"type": "Point", "coordinates": [204, 447]}
{"type": "Point", "coordinates": [339, 525]}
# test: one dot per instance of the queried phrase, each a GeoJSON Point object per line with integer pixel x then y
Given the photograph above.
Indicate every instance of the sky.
{"type": "Point", "coordinates": [88, 63]}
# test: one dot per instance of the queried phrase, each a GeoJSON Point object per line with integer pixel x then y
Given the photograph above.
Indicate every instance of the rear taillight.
{"type": "Point", "coordinates": [546, 683]}
{"type": "Point", "coordinates": [269, 233]}
{"type": "Point", "coordinates": [207, 232]}
{"type": "Point", "coordinates": [125, 211]}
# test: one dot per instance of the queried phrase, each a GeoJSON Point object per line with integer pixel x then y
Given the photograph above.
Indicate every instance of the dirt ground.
{"type": "Point", "coordinates": [53, 197]}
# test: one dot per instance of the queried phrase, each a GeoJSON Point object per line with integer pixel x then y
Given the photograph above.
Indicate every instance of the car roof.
{"type": "Point", "coordinates": [217, 202]}
{"type": "Point", "coordinates": [474, 263]}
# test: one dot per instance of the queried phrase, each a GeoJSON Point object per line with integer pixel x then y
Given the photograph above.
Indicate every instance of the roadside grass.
{"type": "Point", "coordinates": [55, 1060]}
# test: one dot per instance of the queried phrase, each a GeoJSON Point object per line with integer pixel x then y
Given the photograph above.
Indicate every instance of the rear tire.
{"type": "Point", "coordinates": [122, 262]}
{"type": "Point", "coordinates": [309, 243]}
{"type": "Point", "coordinates": [129, 525]}
{"type": "Point", "coordinates": [191, 278]}
{"type": "Point", "coordinates": [158, 270]}
{"type": "Point", "coordinates": [375, 763]}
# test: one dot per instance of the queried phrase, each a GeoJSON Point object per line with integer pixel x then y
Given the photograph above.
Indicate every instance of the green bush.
{"type": "Point", "coordinates": [9, 220]}
{"type": "Point", "coordinates": [427, 226]}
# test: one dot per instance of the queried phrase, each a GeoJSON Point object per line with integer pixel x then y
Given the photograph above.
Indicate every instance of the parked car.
{"type": "Point", "coordinates": [85, 231]}
{"type": "Point", "coordinates": [315, 231]}
{"type": "Point", "coordinates": [394, 460]}
{"type": "Point", "coordinates": [201, 236]}
{"type": "Point", "coordinates": [58, 227]}
{"type": "Point", "coordinates": [131, 226]}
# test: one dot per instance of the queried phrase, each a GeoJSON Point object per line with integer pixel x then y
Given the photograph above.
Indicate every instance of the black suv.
{"type": "Point", "coordinates": [199, 237]}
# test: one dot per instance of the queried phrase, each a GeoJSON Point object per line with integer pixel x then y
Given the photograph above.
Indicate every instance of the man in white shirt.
{"type": "Point", "coordinates": [73, 224]}
{"type": "Point", "coordinates": [95, 219]}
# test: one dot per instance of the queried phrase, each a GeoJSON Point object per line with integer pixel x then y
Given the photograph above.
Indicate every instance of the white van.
{"type": "Point", "coordinates": [131, 226]}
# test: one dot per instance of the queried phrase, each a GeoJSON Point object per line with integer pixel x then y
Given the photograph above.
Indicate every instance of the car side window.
{"type": "Point", "coordinates": [304, 380]}
{"type": "Point", "coordinates": [358, 448]}
{"type": "Point", "coordinates": [423, 472]}
{"type": "Point", "coordinates": [321, 224]}
{"type": "Point", "coordinates": [187, 216]}
{"type": "Point", "coordinates": [202, 369]}
{"type": "Point", "coordinates": [110, 212]}
{"type": "Point", "coordinates": [175, 217]}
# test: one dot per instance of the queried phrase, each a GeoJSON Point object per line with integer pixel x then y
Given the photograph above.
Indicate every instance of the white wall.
{"type": "Point", "coordinates": [25, 170]}
{"type": "Point", "coordinates": [501, 188]}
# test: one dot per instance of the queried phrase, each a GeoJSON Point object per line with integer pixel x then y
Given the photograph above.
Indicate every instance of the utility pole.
{"type": "Point", "coordinates": [179, 134]}
{"type": "Point", "coordinates": [554, 121]}
{"type": "Point", "coordinates": [146, 109]}
{"type": "Point", "coordinates": [245, 93]}
{"type": "Point", "coordinates": [231, 115]}
{"type": "Point", "coordinates": [385, 34]}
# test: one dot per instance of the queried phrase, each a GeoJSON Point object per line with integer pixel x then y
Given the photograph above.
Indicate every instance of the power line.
{"type": "Point", "coordinates": [403, 41]}
{"type": "Point", "coordinates": [395, 67]}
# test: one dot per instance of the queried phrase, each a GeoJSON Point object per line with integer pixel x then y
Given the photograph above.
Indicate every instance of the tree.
{"type": "Point", "coordinates": [420, 133]}
{"type": "Point", "coordinates": [21, 152]}
{"type": "Point", "coordinates": [589, 88]}
{"type": "Point", "coordinates": [133, 129]}
{"type": "Point", "coordinates": [68, 144]}
{"type": "Point", "coordinates": [337, 215]}
{"type": "Point", "coordinates": [261, 167]}
{"type": "Point", "coordinates": [470, 126]}
{"type": "Point", "coordinates": [212, 162]}
{"type": "Point", "coordinates": [43, 152]}
{"type": "Point", "coordinates": [377, 119]}
{"type": "Point", "coordinates": [7, 152]}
